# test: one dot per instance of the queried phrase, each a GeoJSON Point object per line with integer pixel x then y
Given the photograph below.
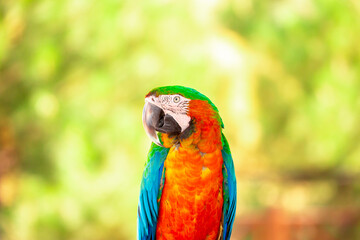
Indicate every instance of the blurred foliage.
{"type": "Point", "coordinates": [73, 74]}
{"type": "Point", "coordinates": [310, 104]}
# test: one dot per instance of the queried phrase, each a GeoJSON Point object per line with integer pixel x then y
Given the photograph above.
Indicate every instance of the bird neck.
{"type": "Point", "coordinates": [204, 132]}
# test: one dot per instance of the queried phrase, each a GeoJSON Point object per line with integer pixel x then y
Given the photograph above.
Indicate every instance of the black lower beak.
{"type": "Point", "coordinates": [167, 124]}
{"type": "Point", "coordinates": [155, 119]}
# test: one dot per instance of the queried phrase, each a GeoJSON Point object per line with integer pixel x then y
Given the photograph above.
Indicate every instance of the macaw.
{"type": "Point", "coordinates": [188, 188]}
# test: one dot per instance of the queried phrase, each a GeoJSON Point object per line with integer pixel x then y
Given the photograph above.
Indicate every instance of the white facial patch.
{"type": "Point", "coordinates": [174, 103]}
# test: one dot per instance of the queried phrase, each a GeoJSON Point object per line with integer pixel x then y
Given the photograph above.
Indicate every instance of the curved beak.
{"type": "Point", "coordinates": [152, 116]}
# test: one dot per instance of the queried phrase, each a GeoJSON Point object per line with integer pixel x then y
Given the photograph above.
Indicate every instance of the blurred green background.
{"type": "Point", "coordinates": [285, 75]}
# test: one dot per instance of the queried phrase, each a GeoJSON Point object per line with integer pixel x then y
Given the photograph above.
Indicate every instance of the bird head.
{"type": "Point", "coordinates": [175, 111]}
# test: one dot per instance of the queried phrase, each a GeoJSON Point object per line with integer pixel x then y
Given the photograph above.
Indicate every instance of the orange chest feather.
{"type": "Point", "coordinates": [192, 198]}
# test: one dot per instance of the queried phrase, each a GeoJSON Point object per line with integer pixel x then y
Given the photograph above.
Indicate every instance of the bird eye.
{"type": "Point", "coordinates": [176, 99]}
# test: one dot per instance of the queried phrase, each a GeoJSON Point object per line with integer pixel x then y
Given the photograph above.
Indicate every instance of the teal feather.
{"type": "Point", "coordinates": [229, 186]}
{"type": "Point", "coordinates": [150, 191]}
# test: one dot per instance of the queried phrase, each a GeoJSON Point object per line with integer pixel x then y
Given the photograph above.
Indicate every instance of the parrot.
{"type": "Point", "coordinates": [188, 186]}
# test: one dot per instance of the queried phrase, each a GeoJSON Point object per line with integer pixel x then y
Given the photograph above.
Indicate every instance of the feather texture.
{"type": "Point", "coordinates": [150, 192]}
{"type": "Point", "coordinates": [229, 184]}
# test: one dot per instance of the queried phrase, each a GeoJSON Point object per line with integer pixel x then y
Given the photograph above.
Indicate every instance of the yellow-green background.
{"type": "Point", "coordinates": [285, 75]}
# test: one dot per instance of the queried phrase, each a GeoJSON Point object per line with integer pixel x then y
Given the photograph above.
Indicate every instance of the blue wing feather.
{"type": "Point", "coordinates": [150, 192]}
{"type": "Point", "coordinates": [229, 186]}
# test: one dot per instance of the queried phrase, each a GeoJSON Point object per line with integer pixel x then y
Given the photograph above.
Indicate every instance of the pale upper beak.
{"type": "Point", "coordinates": [151, 116]}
